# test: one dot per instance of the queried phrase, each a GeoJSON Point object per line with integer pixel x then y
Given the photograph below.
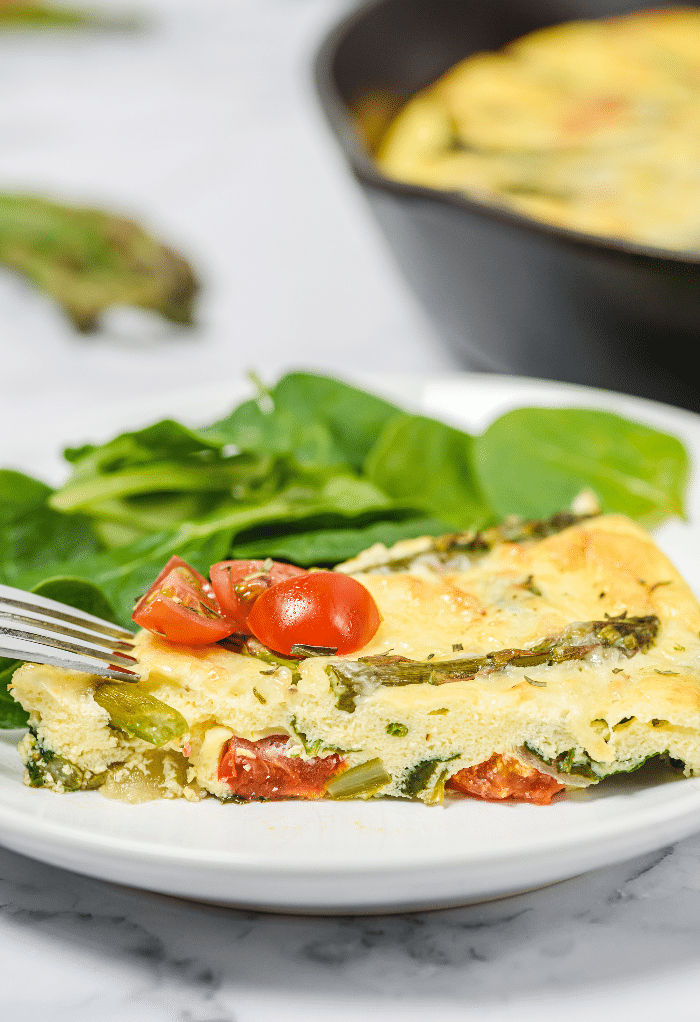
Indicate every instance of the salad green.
{"type": "Point", "coordinates": [312, 471]}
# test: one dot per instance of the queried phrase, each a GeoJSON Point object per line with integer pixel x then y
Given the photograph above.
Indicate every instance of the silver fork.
{"type": "Point", "coordinates": [43, 631]}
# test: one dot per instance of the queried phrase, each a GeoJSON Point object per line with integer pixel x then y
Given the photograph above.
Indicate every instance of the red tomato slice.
{"type": "Point", "coordinates": [320, 608]}
{"type": "Point", "coordinates": [257, 770]}
{"type": "Point", "coordinates": [181, 606]}
{"type": "Point", "coordinates": [238, 584]}
{"type": "Point", "coordinates": [504, 776]}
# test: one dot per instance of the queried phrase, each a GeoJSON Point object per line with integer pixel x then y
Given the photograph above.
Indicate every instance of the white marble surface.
{"type": "Point", "coordinates": [621, 943]}
{"type": "Point", "coordinates": [206, 127]}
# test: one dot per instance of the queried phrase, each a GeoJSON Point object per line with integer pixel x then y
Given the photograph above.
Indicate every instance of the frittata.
{"type": "Point", "coordinates": [512, 663]}
{"type": "Point", "coordinates": [589, 125]}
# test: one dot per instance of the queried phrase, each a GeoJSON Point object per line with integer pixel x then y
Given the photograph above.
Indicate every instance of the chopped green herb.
{"type": "Point", "coordinates": [418, 777]}
{"type": "Point", "coordinates": [261, 698]}
{"type": "Point", "coordinates": [268, 657]}
{"type": "Point", "coordinates": [310, 748]}
{"type": "Point", "coordinates": [533, 681]}
{"type": "Point", "coordinates": [529, 586]}
{"type": "Point", "coordinates": [298, 649]}
{"type": "Point", "coordinates": [317, 746]}
{"type": "Point", "coordinates": [397, 730]}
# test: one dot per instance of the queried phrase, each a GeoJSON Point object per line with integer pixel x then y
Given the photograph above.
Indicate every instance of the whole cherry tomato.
{"type": "Point", "coordinates": [320, 608]}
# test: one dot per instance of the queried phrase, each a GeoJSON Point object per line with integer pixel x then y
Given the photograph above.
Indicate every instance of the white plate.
{"type": "Point", "coordinates": [357, 856]}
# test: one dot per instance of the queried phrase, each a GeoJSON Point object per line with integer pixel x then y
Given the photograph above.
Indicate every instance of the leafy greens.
{"type": "Point", "coordinates": [311, 471]}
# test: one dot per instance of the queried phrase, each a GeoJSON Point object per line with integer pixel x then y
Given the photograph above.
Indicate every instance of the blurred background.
{"type": "Point", "coordinates": [199, 127]}
{"type": "Point", "coordinates": [199, 121]}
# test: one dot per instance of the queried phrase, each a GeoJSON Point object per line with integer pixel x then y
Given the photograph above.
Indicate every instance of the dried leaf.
{"type": "Point", "coordinates": [89, 260]}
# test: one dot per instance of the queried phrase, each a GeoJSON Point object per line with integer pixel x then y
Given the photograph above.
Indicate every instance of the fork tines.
{"type": "Point", "coordinates": [40, 630]}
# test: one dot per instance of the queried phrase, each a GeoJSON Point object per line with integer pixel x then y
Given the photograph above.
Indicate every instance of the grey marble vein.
{"type": "Point", "coordinates": [621, 926]}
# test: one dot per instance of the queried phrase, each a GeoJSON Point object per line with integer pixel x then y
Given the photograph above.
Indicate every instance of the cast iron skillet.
{"type": "Point", "coordinates": [508, 293]}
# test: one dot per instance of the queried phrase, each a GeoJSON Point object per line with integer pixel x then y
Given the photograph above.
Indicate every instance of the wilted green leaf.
{"type": "Point", "coordinates": [89, 260]}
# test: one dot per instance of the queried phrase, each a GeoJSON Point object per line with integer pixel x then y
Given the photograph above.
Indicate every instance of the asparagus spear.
{"type": "Point", "coordinates": [140, 714]}
{"type": "Point", "coordinates": [352, 678]}
{"type": "Point", "coordinates": [25, 14]}
{"type": "Point", "coordinates": [477, 542]}
{"type": "Point", "coordinates": [88, 260]}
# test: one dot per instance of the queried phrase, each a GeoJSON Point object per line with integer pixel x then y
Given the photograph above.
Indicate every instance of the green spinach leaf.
{"type": "Point", "coordinates": [33, 536]}
{"type": "Point", "coordinates": [78, 593]}
{"type": "Point", "coordinates": [429, 465]}
{"type": "Point", "coordinates": [329, 546]}
{"type": "Point", "coordinates": [534, 461]}
{"type": "Point", "coordinates": [319, 420]}
{"type": "Point", "coordinates": [11, 713]}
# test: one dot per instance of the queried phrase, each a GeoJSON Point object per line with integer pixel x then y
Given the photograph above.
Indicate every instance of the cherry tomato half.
{"type": "Point", "coordinates": [504, 776]}
{"type": "Point", "coordinates": [181, 606]}
{"type": "Point", "coordinates": [321, 608]}
{"type": "Point", "coordinates": [238, 584]}
{"type": "Point", "coordinates": [257, 770]}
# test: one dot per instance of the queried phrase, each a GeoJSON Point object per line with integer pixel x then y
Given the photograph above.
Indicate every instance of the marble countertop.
{"type": "Point", "coordinates": [205, 126]}
{"type": "Point", "coordinates": [619, 943]}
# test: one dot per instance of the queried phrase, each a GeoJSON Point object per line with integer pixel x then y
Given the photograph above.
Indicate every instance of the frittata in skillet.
{"type": "Point", "coordinates": [589, 125]}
